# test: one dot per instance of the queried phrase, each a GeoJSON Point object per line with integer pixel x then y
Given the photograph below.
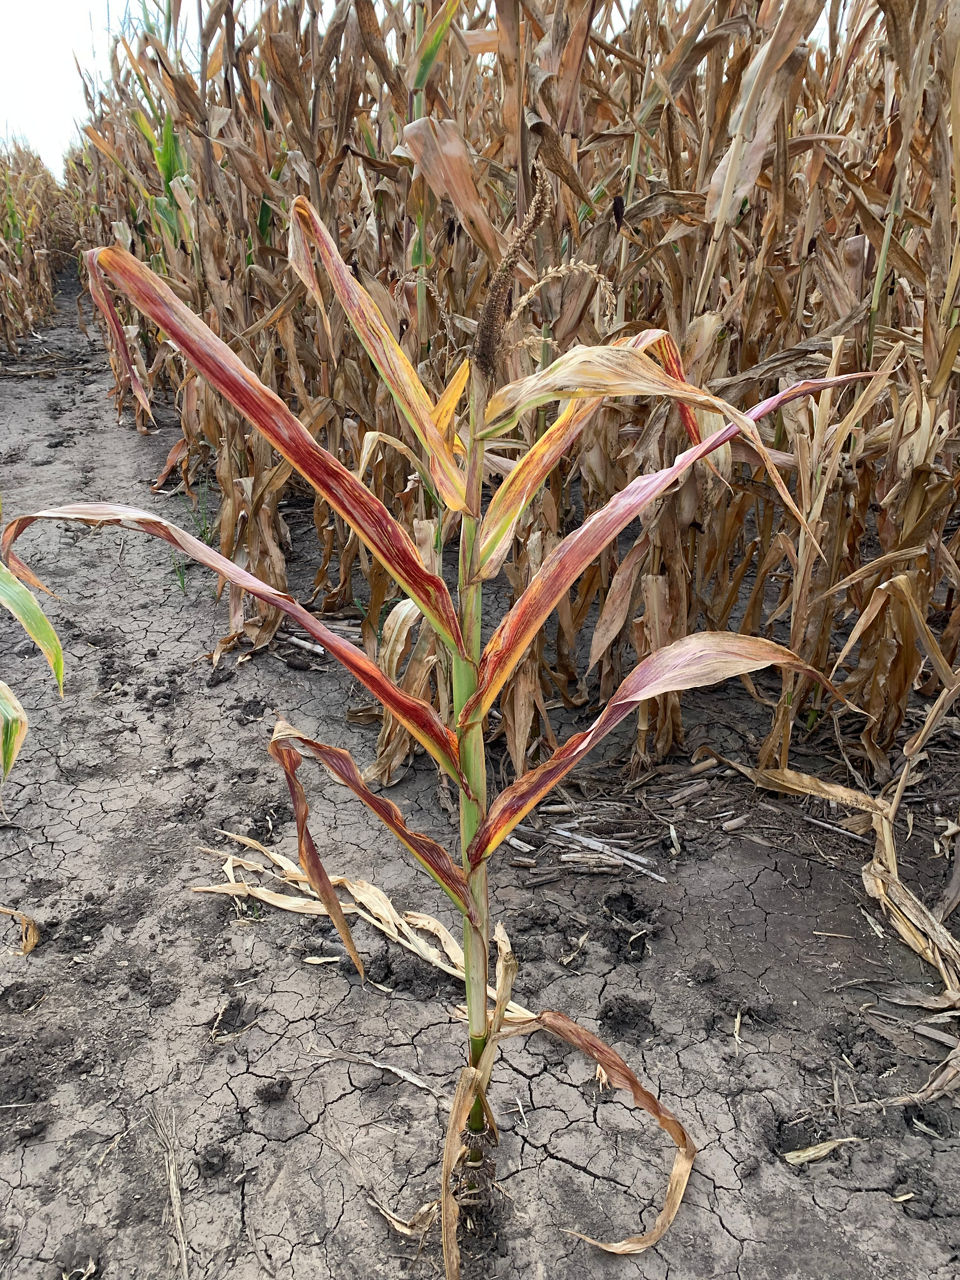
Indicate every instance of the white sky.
{"type": "Point", "coordinates": [41, 96]}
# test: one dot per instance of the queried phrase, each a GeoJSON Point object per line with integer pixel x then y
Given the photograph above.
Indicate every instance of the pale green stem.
{"type": "Point", "coordinates": [476, 939]}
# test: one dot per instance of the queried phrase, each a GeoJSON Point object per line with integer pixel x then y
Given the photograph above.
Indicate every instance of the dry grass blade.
{"type": "Point", "coordinates": [166, 1131]}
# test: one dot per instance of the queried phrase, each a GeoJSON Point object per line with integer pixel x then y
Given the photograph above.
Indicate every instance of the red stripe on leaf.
{"type": "Point", "coordinates": [415, 715]}
{"type": "Point", "coordinates": [563, 566]}
{"type": "Point", "coordinates": [225, 371]}
{"type": "Point", "coordinates": [306, 228]}
{"type": "Point", "coordinates": [434, 859]}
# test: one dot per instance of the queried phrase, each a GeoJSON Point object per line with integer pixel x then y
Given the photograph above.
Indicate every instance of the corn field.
{"type": "Point", "coordinates": [774, 189]}
{"type": "Point", "coordinates": [37, 232]}
{"type": "Point", "coordinates": [784, 210]}
{"type": "Point", "coordinates": [720, 233]}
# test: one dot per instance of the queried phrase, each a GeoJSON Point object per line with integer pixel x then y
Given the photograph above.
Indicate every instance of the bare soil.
{"type": "Point", "coordinates": [167, 1057]}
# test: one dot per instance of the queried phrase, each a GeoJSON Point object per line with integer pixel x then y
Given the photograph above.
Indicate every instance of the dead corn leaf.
{"type": "Point", "coordinates": [29, 932]}
{"type": "Point", "coordinates": [819, 1151]}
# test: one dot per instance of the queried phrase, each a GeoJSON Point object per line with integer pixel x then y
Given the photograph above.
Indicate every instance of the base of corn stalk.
{"type": "Point", "coordinates": [476, 1171]}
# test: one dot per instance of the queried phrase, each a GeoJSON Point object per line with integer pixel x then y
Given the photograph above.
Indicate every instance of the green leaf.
{"type": "Point", "coordinates": [431, 44]}
{"type": "Point", "coordinates": [15, 597]}
{"type": "Point", "coordinates": [13, 728]}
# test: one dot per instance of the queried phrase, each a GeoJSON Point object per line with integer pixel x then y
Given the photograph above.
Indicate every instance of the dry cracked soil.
{"type": "Point", "coordinates": [169, 1058]}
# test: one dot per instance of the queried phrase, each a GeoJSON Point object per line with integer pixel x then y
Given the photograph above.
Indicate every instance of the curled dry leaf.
{"type": "Point", "coordinates": [618, 1075]}
{"type": "Point", "coordinates": [29, 930]}
{"type": "Point", "coordinates": [287, 744]}
{"type": "Point", "coordinates": [819, 1151]}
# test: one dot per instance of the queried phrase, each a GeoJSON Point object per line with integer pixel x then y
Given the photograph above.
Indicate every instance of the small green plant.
{"type": "Point", "coordinates": [451, 461]}
{"type": "Point", "coordinates": [179, 572]}
{"type": "Point", "coordinates": [204, 524]}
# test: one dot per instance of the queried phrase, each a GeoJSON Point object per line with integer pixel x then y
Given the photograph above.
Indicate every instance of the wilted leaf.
{"type": "Point", "coordinates": [15, 597]}
{"type": "Point", "coordinates": [421, 719]}
{"type": "Point", "coordinates": [364, 512]}
{"type": "Point", "coordinates": [306, 229]}
{"type": "Point", "coordinates": [696, 660]}
{"type": "Point", "coordinates": [615, 1072]}
{"type": "Point", "coordinates": [286, 745]}
{"type": "Point", "coordinates": [564, 565]}
{"type": "Point", "coordinates": [13, 728]}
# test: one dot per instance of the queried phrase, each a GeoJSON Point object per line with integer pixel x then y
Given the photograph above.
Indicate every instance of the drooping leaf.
{"type": "Point", "coordinates": [306, 230]}
{"type": "Point", "coordinates": [616, 1073]}
{"type": "Point", "coordinates": [29, 932]}
{"type": "Point", "coordinates": [696, 660]}
{"type": "Point", "coordinates": [438, 148]}
{"type": "Point", "coordinates": [520, 486]}
{"type": "Point", "coordinates": [597, 371]}
{"type": "Point", "coordinates": [290, 761]}
{"type": "Point", "coordinates": [434, 859]}
{"type": "Point", "coordinates": [622, 371]}
{"type": "Point", "coordinates": [15, 597]}
{"type": "Point", "coordinates": [564, 565]}
{"type": "Point", "coordinates": [225, 371]}
{"type": "Point", "coordinates": [417, 716]}
{"type": "Point", "coordinates": [103, 300]}
{"type": "Point", "coordinates": [13, 728]}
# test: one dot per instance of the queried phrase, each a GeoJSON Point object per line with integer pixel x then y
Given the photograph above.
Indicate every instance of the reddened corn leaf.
{"type": "Point", "coordinates": [225, 371]}
{"type": "Point", "coordinates": [701, 659]}
{"type": "Point", "coordinates": [290, 760]}
{"type": "Point", "coordinates": [415, 715]}
{"type": "Point", "coordinates": [596, 371]}
{"type": "Point", "coordinates": [306, 230]}
{"type": "Point", "coordinates": [618, 1075]}
{"type": "Point", "coordinates": [102, 298]}
{"type": "Point", "coordinates": [591, 371]}
{"type": "Point", "coordinates": [797, 389]}
{"type": "Point", "coordinates": [534, 467]}
{"type": "Point", "coordinates": [563, 566]}
{"type": "Point", "coordinates": [434, 859]}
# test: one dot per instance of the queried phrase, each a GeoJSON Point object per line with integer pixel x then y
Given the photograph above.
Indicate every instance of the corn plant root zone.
{"type": "Point", "coordinates": [183, 1094]}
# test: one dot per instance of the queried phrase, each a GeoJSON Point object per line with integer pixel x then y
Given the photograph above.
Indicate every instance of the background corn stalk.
{"type": "Point", "coordinates": [37, 232]}
{"type": "Point", "coordinates": [784, 208]}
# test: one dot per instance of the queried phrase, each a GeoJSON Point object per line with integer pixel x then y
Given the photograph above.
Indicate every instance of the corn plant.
{"type": "Point", "coordinates": [452, 453]}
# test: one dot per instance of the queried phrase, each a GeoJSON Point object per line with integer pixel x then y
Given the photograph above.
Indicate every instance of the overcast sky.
{"type": "Point", "coordinates": [40, 92]}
